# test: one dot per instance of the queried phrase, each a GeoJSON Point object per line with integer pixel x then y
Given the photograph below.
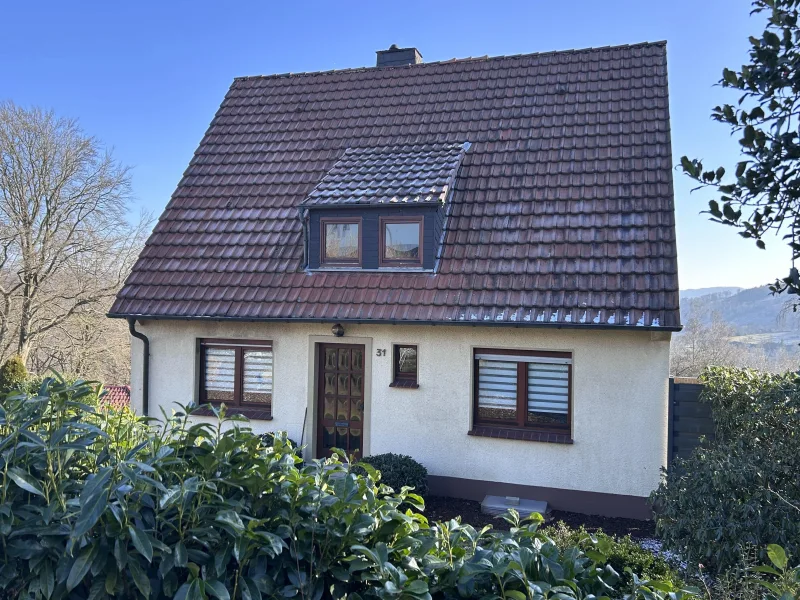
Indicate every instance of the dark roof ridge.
{"type": "Point", "coordinates": [455, 61]}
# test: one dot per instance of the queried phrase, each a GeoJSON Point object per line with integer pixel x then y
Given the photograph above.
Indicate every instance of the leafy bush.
{"type": "Point", "coordinates": [13, 373]}
{"type": "Point", "coordinates": [268, 438]}
{"type": "Point", "coordinates": [783, 580]}
{"type": "Point", "coordinates": [752, 581]}
{"type": "Point", "coordinates": [103, 504]}
{"type": "Point", "coordinates": [399, 470]}
{"type": "Point", "coordinates": [742, 490]}
{"type": "Point", "coordinates": [622, 552]}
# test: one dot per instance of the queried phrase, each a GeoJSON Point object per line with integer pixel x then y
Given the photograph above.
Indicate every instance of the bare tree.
{"type": "Point", "coordinates": [703, 344]}
{"type": "Point", "coordinates": [66, 244]}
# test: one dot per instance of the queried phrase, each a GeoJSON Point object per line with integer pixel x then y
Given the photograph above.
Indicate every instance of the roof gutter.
{"type": "Point", "coordinates": [145, 364]}
{"type": "Point", "coordinates": [512, 324]}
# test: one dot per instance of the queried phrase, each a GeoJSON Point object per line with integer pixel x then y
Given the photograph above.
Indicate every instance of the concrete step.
{"type": "Point", "coordinates": [497, 505]}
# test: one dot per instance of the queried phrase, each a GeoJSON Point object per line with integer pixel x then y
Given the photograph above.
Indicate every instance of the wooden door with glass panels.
{"type": "Point", "coordinates": [340, 422]}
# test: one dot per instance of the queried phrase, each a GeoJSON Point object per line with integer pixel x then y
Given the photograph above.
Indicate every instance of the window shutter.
{"type": "Point", "coordinates": [497, 389]}
{"type": "Point", "coordinates": [548, 388]}
{"type": "Point", "coordinates": [220, 373]}
{"type": "Point", "coordinates": [257, 380]}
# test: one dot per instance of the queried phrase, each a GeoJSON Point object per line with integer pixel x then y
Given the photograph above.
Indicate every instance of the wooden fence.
{"type": "Point", "coordinates": [689, 419]}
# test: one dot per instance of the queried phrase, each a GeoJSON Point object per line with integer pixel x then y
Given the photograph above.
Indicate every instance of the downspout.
{"type": "Point", "coordinates": [145, 365]}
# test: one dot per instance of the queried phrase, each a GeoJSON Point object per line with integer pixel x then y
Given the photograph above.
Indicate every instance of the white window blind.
{"type": "Point", "coordinates": [548, 388]}
{"type": "Point", "coordinates": [257, 375]}
{"type": "Point", "coordinates": [220, 371]}
{"type": "Point", "coordinates": [497, 384]}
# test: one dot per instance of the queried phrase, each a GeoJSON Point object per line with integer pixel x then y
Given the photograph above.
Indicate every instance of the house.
{"type": "Point", "coordinates": [472, 262]}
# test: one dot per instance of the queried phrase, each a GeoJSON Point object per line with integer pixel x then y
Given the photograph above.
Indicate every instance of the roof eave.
{"type": "Point", "coordinates": [514, 324]}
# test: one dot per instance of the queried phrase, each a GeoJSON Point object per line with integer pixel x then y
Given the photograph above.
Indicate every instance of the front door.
{"type": "Point", "coordinates": [340, 398]}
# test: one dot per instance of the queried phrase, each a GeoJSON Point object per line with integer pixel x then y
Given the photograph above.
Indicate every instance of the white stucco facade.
{"type": "Point", "coordinates": [619, 397]}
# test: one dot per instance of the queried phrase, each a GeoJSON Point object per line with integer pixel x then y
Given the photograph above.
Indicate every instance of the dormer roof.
{"type": "Point", "coordinates": [404, 174]}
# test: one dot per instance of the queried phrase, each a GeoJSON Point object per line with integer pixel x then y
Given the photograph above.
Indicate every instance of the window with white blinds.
{"type": "Point", "coordinates": [236, 373]}
{"type": "Point", "coordinates": [520, 389]}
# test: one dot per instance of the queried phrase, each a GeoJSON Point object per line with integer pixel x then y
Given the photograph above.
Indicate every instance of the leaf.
{"type": "Point", "coordinates": [141, 542]}
{"type": "Point", "coordinates": [217, 589]}
{"type": "Point", "coordinates": [111, 582]}
{"type": "Point", "coordinates": [729, 213]}
{"type": "Point", "coordinates": [25, 481]}
{"type": "Point", "coordinates": [182, 592]}
{"type": "Point", "coordinates": [47, 581]}
{"type": "Point", "coordinates": [516, 595]}
{"type": "Point", "coordinates": [97, 590]}
{"type": "Point", "coordinates": [765, 569]}
{"type": "Point", "coordinates": [688, 166]}
{"type": "Point", "coordinates": [596, 556]}
{"type": "Point", "coordinates": [741, 168]}
{"type": "Point", "coordinates": [171, 496]}
{"type": "Point", "coordinates": [749, 136]}
{"type": "Point", "coordinates": [80, 568]}
{"type": "Point", "coordinates": [230, 517]}
{"type": "Point", "coordinates": [729, 77]}
{"type": "Point", "coordinates": [778, 556]}
{"type": "Point", "coordinates": [140, 578]}
{"type": "Point", "coordinates": [120, 553]}
{"type": "Point", "coordinates": [180, 555]}
{"type": "Point", "coordinates": [93, 501]}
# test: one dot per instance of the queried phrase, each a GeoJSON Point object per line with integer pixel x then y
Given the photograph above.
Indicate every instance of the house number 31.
{"type": "Point", "coordinates": [381, 352]}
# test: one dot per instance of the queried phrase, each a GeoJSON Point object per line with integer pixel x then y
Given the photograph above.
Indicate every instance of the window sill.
{"type": "Point", "coordinates": [528, 435]}
{"type": "Point", "coordinates": [258, 414]}
{"type": "Point", "coordinates": [408, 385]}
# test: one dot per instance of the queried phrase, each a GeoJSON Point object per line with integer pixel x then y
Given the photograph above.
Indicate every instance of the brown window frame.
{"type": "Point", "coordinates": [521, 424]}
{"type": "Point", "coordinates": [339, 262]}
{"type": "Point", "coordinates": [404, 380]}
{"type": "Point", "coordinates": [263, 409]}
{"type": "Point", "coordinates": [392, 262]}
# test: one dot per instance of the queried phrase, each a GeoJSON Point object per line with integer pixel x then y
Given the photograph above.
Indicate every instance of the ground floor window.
{"type": "Point", "coordinates": [404, 366]}
{"type": "Point", "coordinates": [523, 390]}
{"type": "Point", "coordinates": [236, 372]}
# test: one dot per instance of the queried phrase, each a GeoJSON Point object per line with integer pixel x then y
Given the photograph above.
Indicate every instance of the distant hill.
{"type": "Point", "coordinates": [755, 314]}
{"type": "Point", "coordinates": [687, 294]}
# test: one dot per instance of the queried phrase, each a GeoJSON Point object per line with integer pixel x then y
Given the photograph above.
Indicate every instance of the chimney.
{"type": "Point", "coordinates": [398, 57]}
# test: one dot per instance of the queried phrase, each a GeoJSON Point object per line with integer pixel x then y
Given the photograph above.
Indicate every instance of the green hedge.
{"type": "Point", "coordinates": [398, 471]}
{"type": "Point", "coordinates": [742, 490]}
{"type": "Point", "coordinates": [104, 504]}
{"type": "Point", "coordinates": [622, 552]}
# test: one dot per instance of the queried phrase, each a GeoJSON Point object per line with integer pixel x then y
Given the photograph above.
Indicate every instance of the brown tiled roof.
{"type": "Point", "coordinates": [561, 214]}
{"type": "Point", "coordinates": [390, 174]}
{"type": "Point", "coordinates": [117, 396]}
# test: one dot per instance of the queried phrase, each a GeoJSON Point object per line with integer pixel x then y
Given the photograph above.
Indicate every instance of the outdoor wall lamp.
{"type": "Point", "coordinates": [337, 330]}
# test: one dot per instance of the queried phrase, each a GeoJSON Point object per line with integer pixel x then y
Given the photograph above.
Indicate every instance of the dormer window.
{"type": "Point", "coordinates": [341, 241]}
{"type": "Point", "coordinates": [401, 241]}
{"type": "Point", "coordinates": [382, 208]}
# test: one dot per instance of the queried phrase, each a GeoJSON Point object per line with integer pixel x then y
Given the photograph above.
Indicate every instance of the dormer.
{"type": "Point", "coordinates": [381, 208]}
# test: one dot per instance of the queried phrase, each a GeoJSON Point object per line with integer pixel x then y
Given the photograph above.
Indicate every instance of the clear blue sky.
{"type": "Point", "coordinates": [147, 77]}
